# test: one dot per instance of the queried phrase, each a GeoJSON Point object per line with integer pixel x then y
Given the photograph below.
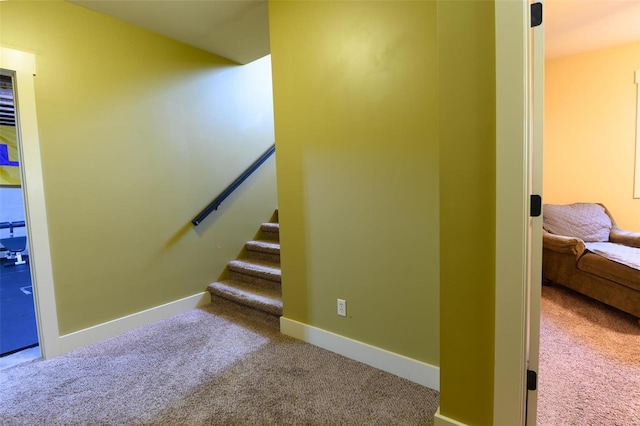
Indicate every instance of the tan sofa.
{"type": "Point", "coordinates": [585, 250]}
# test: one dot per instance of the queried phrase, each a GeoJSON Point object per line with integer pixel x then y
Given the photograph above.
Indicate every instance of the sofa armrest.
{"type": "Point", "coordinates": [563, 244]}
{"type": "Point", "coordinates": [627, 238]}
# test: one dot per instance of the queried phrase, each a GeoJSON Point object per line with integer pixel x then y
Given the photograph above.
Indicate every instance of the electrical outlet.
{"type": "Point", "coordinates": [342, 308]}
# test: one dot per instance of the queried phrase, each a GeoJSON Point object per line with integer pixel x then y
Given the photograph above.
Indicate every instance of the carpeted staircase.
{"type": "Point", "coordinates": [251, 283]}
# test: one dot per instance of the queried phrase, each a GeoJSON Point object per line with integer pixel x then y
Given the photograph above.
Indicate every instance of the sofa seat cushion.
{"type": "Point", "coordinates": [620, 253]}
{"type": "Point", "coordinates": [607, 263]}
{"type": "Point", "coordinates": [587, 221]}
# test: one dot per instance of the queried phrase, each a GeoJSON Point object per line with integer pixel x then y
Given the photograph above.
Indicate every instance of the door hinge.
{"type": "Point", "coordinates": [532, 380]}
{"type": "Point", "coordinates": [536, 14]}
{"type": "Point", "coordinates": [535, 206]}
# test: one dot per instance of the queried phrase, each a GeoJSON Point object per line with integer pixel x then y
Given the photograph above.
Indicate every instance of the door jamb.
{"type": "Point", "coordinates": [512, 23]}
{"type": "Point", "coordinates": [23, 66]}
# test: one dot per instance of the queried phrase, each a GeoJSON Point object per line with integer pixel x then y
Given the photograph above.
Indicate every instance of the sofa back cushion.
{"type": "Point", "coordinates": [587, 221]}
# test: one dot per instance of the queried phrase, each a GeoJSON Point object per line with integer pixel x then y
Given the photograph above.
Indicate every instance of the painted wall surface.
{"type": "Point", "coordinates": [467, 90]}
{"type": "Point", "coordinates": [589, 136]}
{"type": "Point", "coordinates": [138, 133]}
{"type": "Point", "coordinates": [355, 96]}
{"type": "Point", "coordinates": [11, 210]}
{"type": "Point", "coordinates": [11, 204]}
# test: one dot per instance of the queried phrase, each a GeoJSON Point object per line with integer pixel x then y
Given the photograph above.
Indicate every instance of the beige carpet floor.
{"type": "Point", "coordinates": [210, 366]}
{"type": "Point", "coordinates": [589, 362]}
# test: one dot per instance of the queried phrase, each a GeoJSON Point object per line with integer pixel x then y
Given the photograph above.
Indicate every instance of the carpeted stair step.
{"type": "Point", "coordinates": [268, 251]}
{"type": "Point", "coordinates": [255, 268]}
{"type": "Point", "coordinates": [270, 231]}
{"type": "Point", "coordinates": [252, 283]}
{"type": "Point", "coordinates": [246, 294]}
{"type": "Point", "coordinates": [256, 272]}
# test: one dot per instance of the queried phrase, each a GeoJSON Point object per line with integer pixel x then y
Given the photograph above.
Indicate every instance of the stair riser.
{"type": "Point", "coordinates": [270, 236]}
{"type": "Point", "coordinates": [257, 255]}
{"type": "Point", "coordinates": [257, 281]}
{"type": "Point", "coordinates": [217, 295]}
{"type": "Point", "coordinates": [223, 305]}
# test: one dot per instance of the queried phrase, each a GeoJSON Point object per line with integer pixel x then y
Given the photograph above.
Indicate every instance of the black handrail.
{"type": "Point", "coordinates": [220, 198]}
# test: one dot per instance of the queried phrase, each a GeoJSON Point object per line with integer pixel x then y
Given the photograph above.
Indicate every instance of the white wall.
{"type": "Point", "coordinates": [11, 210]}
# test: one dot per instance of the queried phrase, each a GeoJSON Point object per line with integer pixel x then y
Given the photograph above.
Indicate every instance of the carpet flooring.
{"type": "Point", "coordinates": [17, 316]}
{"type": "Point", "coordinates": [209, 366]}
{"type": "Point", "coordinates": [589, 370]}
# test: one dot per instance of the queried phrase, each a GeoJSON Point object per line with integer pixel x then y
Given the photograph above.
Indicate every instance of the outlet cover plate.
{"type": "Point", "coordinates": [342, 308]}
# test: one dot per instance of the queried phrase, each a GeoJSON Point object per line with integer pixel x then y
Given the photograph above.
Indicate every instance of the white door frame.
{"type": "Point", "coordinates": [536, 185]}
{"type": "Point", "coordinates": [512, 26]}
{"type": "Point", "coordinates": [23, 66]}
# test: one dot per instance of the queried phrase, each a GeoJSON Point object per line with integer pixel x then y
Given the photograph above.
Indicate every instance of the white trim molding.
{"type": "Point", "coordinates": [116, 327]}
{"type": "Point", "coordinates": [440, 420]}
{"type": "Point", "coordinates": [512, 21]}
{"type": "Point", "coordinates": [16, 60]}
{"type": "Point", "coordinates": [636, 186]}
{"type": "Point", "coordinates": [417, 371]}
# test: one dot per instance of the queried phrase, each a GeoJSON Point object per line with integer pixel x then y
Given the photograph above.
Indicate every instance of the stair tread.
{"type": "Point", "coordinates": [266, 246]}
{"type": "Point", "coordinates": [260, 266]}
{"type": "Point", "coordinates": [248, 294]}
{"type": "Point", "coordinates": [241, 287]}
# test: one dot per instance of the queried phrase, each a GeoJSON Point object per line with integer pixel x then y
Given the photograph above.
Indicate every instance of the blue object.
{"type": "Point", "coordinates": [18, 328]}
{"type": "Point", "coordinates": [4, 157]}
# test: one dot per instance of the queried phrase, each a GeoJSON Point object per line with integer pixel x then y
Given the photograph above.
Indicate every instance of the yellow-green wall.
{"type": "Point", "coordinates": [138, 133]}
{"type": "Point", "coordinates": [385, 126]}
{"type": "Point", "coordinates": [466, 46]}
{"type": "Point", "coordinates": [356, 118]}
{"type": "Point", "coordinates": [590, 125]}
{"type": "Point", "coordinates": [384, 114]}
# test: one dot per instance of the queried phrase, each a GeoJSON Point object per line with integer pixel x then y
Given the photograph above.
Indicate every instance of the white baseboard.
{"type": "Point", "coordinates": [440, 420]}
{"type": "Point", "coordinates": [408, 368]}
{"type": "Point", "coordinates": [113, 328]}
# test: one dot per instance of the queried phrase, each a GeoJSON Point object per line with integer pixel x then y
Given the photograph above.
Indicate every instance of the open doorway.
{"type": "Point", "coordinates": [18, 329]}
{"type": "Point", "coordinates": [22, 67]}
{"type": "Point", "coordinates": [588, 349]}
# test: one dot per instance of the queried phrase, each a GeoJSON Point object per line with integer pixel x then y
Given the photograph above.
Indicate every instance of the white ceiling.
{"type": "Point", "coordinates": [578, 26]}
{"type": "Point", "coordinates": [234, 29]}
{"type": "Point", "coordinates": [239, 29]}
